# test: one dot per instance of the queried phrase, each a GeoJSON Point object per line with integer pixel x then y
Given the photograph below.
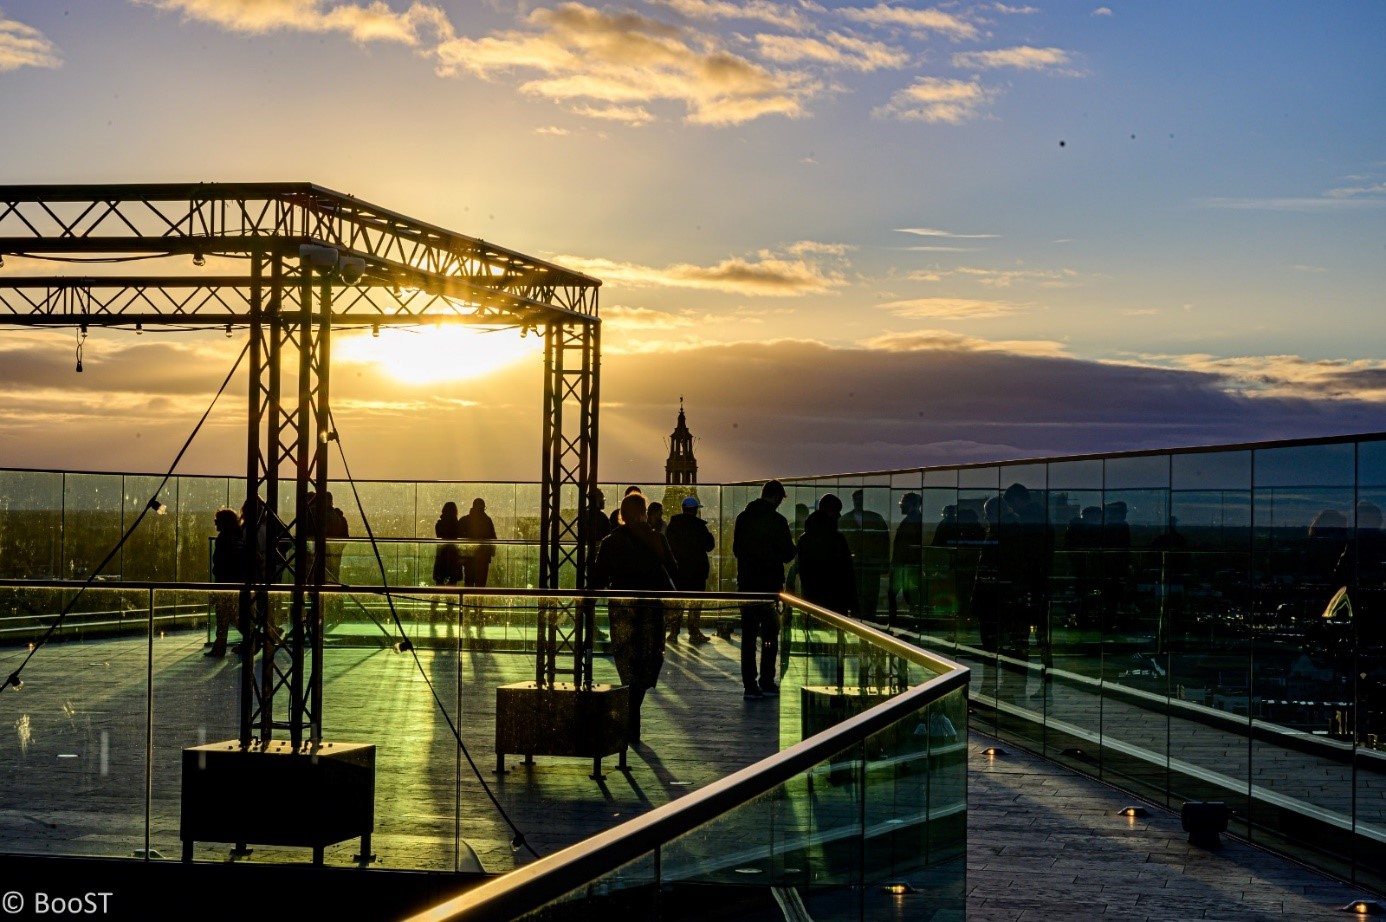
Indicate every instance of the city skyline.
{"type": "Point", "coordinates": [852, 236]}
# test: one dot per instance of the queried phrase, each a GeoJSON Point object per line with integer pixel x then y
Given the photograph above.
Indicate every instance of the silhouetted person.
{"type": "Point", "coordinates": [1174, 569]}
{"type": "Point", "coordinates": [762, 546]}
{"type": "Point", "coordinates": [868, 536]}
{"type": "Point", "coordinates": [996, 573]}
{"type": "Point", "coordinates": [228, 566]}
{"type": "Point", "coordinates": [825, 560]}
{"type": "Point", "coordinates": [1116, 565]}
{"type": "Point", "coordinates": [598, 525]}
{"type": "Point", "coordinates": [616, 513]}
{"type": "Point", "coordinates": [267, 548]}
{"type": "Point", "coordinates": [335, 529]}
{"type": "Point", "coordinates": [477, 526]}
{"type": "Point", "coordinates": [961, 535]}
{"type": "Point", "coordinates": [1083, 544]}
{"type": "Point", "coordinates": [907, 558]}
{"type": "Point", "coordinates": [691, 541]}
{"type": "Point", "coordinates": [801, 514]}
{"type": "Point", "coordinates": [447, 558]}
{"type": "Point", "coordinates": [634, 557]}
{"type": "Point", "coordinates": [1034, 547]}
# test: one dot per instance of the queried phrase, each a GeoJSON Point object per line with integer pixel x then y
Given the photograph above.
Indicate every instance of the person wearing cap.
{"type": "Point", "coordinates": [762, 545]}
{"type": "Point", "coordinates": [691, 541]}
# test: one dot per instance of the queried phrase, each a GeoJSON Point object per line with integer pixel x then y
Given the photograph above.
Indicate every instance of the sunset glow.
{"type": "Point", "coordinates": [428, 355]}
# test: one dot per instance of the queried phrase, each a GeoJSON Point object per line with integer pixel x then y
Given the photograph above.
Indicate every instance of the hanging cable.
{"type": "Point", "coordinates": [152, 506]}
{"type": "Point", "coordinates": [520, 840]}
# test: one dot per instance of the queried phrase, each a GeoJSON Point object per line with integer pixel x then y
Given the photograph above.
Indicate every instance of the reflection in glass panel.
{"type": "Point", "coordinates": [1076, 475]}
{"type": "Point", "coordinates": [1319, 465]}
{"type": "Point", "coordinates": [1210, 470]}
{"type": "Point", "coordinates": [199, 498]}
{"type": "Point", "coordinates": [76, 759]}
{"type": "Point", "coordinates": [1371, 462]}
{"type": "Point", "coordinates": [92, 524]}
{"type": "Point", "coordinates": [31, 533]}
{"type": "Point", "coordinates": [149, 552]}
{"type": "Point", "coordinates": [1136, 473]}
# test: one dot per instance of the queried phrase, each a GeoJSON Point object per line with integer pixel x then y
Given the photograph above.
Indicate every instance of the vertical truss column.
{"type": "Point", "coordinates": [295, 439]}
{"type": "Point", "coordinates": [571, 400]}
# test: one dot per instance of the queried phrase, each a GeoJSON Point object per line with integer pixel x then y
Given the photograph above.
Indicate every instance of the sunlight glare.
{"type": "Point", "coordinates": [431, 354]}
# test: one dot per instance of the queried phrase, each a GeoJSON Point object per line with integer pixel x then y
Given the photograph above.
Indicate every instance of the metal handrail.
{"type": "Point", "coordinates": [535, 885]}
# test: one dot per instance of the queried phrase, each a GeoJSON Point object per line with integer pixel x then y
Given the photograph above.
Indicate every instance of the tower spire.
{"type": "Point", "coordinates": [681, 467]}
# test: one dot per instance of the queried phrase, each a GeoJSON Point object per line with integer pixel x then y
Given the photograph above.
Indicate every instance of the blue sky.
{"type": "Point", "coordinates": [899, 233]}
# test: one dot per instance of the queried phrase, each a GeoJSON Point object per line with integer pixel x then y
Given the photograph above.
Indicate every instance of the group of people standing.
{"type": "Point", "coordinates": [256, 543]}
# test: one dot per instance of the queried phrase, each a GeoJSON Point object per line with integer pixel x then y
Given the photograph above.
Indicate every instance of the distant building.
{"type": "Point", "coordinates": [682, 467]}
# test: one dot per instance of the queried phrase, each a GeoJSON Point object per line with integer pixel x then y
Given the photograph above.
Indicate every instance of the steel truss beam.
{"type": "Point", "coordinates": [316, 259]}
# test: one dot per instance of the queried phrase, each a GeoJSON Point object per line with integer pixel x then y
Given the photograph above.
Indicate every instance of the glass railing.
{"type": "Point", "coordinates": [862, 815]}
{"type": "Point", "coordinates": [120, 739]}
{"type": "Point", "coordinates": [1189, 625]}
{"type": "Point", "coordinates": [1165, 620]}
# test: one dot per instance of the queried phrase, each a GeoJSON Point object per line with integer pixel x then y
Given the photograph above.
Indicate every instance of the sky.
{"type": "Point", "coordinates": [851, 236]}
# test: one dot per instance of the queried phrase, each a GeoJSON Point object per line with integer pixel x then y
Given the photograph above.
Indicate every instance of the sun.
{"type": "Point", "coordinates": [429, 354]}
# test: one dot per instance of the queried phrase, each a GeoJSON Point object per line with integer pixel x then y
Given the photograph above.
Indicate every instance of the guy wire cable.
{"type": "Point", "coordinates": [153, 503]}
{"type": "Point", "coordinates": [406, 644]}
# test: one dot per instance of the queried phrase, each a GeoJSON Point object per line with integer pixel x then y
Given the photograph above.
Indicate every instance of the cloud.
{"type": "Point", "coordinates": [931, 232]}
{"type": "Point", "coordinates": [1021, 57]}
{"type": "Point", "coordinates": [1374, 190]}
{"type": "Point", "coordinates": [918, 22]}
{"type": "Point", "coordinates": [25, 46]}
{"type": "Point", "coordinates": [553, 130]}
{"type": "Point", "coordinates": [758, 408]}
{"type": "Point", "coordinates": [584, 56]}
{"type": "Point", "coordinates": [945, 341]}
{"type": "Point", "coordinates": [629, 115]}
{"type": "Point", "coordinates": [1015, 10]}
{"type": "Point", "coordinates": [1102, 11]}
{"type": "Point", "coordinates": [642, 318]}
{"type": "Point", "coordinates": [951, 308]}
{"type": "Point", "coordinates": [766, 275]}
{"type": "Point", "coordinates": [374, 21]}
{"type": "Point", "coordinates": [1005, 278]}
{"type": "Point", "coordinates": [775, 14]}
{"type": "Point", "coordinates": [1288, 376]}
{"type": "Point", "coordinates": [834, 50]}
{"type": "Point", "coordinates": [1291, 203]}
{"type": "Point", "coordinates": [819, 410]}
{"type": "Point", "coordinates": [935, 100]}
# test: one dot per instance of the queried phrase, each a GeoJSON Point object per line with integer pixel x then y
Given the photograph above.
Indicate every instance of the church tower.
{"type": "Point", "coordinates": [682, 467]}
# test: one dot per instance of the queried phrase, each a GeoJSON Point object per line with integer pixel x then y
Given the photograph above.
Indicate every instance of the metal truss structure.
{"type": "Point", "coordinates": [315, 260]}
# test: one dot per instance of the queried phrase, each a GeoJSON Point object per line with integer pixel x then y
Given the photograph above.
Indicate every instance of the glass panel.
{"type": "Point", "coordinates": [944, 478]}
{"type": "Point", "coordinates": [199, 498]}
{"type": "Point", "coordinates": [76, 759]}
{"type": "Point", "coordinates": [1076, 475]}
{"type": "Point", "coordinates": [1322, 465]}
{"type": "Point", "coordinates": [92, 524]}
{"type": "Point", "coordinates": [31, 533]}
{"type": "Point", "coordinates": [1211, 470]}
{"type": "Point", "coordinates": [150, 551]}
{"type": "Point", "coordinates": [864, 523]}
{"type": "Point", "coordinates": [1142, 472]}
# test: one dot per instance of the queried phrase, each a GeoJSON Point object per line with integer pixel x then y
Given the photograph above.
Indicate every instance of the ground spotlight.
{"type": "Point", "coordinates": [198, 259]}
{"type": "Point", "coordinates": [899, 888]}
{"type": "Point", "coordinates": [1133, 811]}
{"type": "Point", "coordinates": [1365, 908]}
